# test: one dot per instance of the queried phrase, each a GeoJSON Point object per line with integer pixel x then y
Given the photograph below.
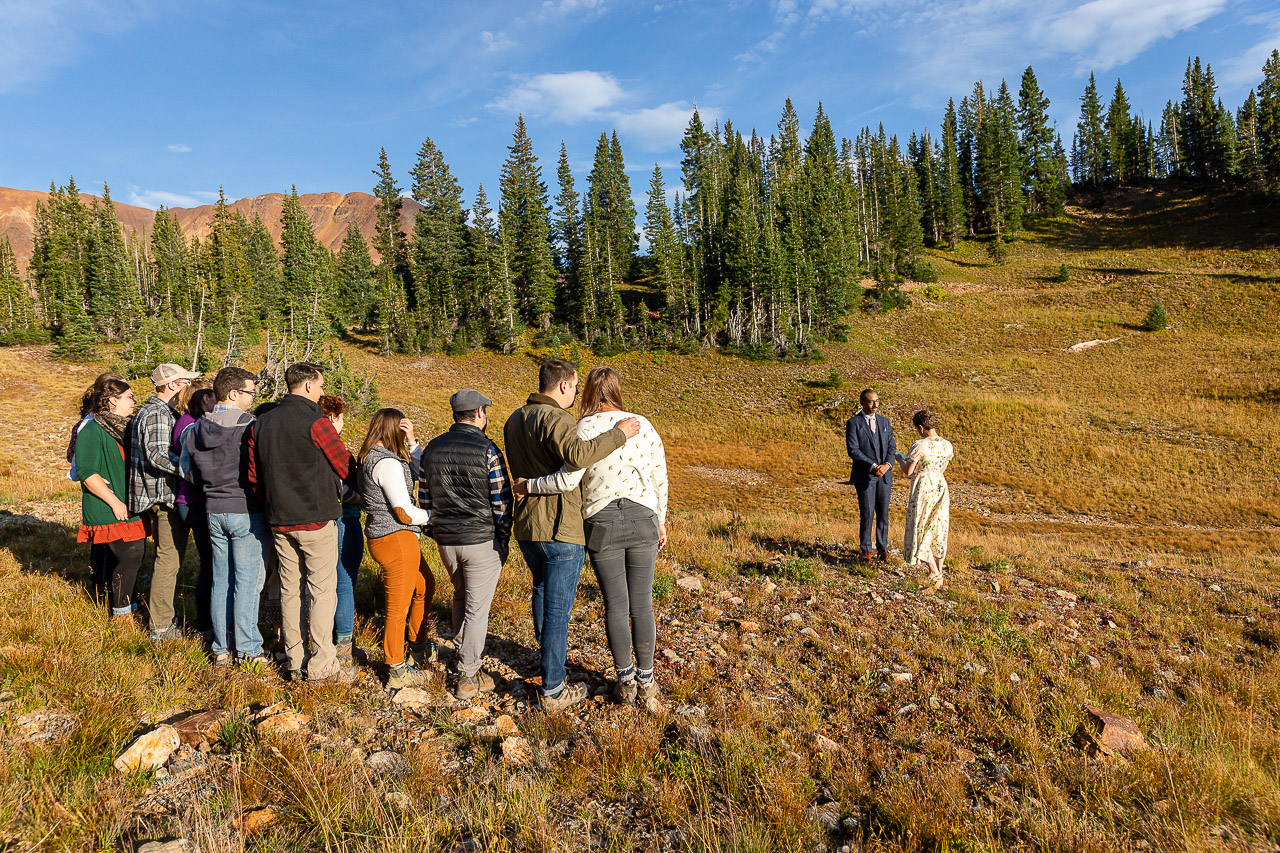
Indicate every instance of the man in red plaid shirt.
{"type": "Point", "coordinates": [296, 461]}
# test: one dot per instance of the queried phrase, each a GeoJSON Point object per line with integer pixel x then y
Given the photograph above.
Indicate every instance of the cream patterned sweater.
{"type": "Point", "coordinates": [637, 470]}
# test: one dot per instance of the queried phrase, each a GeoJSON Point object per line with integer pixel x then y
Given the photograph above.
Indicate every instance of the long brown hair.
{"type": "Point", "coordinates": [384, 429]}
{"type": "Point", "coordinates": [182, 403]}
{"type": "Point", "coordinates": [108, 390]}
{"type": "Point", "coordinates": [603, 388]}
{"type": "Point", "coordinates": [89, 399]}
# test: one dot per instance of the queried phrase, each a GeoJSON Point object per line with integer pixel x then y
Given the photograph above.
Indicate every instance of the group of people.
{"type": "Point", "coordinates": [272, 491]}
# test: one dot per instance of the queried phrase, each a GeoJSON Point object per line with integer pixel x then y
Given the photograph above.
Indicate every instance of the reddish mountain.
{"type": "Point", "coordinates": [330, 214]}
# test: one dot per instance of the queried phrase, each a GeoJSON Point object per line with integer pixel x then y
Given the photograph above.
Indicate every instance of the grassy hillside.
{"type": "Point", "coordinates": [1115, 544]}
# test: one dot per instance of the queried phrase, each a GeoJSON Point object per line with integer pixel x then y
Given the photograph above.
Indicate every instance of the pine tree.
{"type": "Point", "coordinates": [567, 236]}
{"type": "Point", "coordinates": [1044, 189]}
{"type": "Point", "coordinates": [390, 243]}
{"type": "Point", "coordinates": [439, 247]}
{"type": "Point", "coordinates": [1122, 143]}
{"type": "Point", "coordinates": [17, 308]}
{"type": "Point", "coordinates": [952, 190]}
{"type": "Point", "coordinates": [1269, 118]}
{"type": "Point", "coordinates": [1249, 140]}
{"type": "Point", "coordinates": [1091, 139]}
{"type": "Point", "coordinates": [355, 281]}
{"type": "Point", "coordinates": [525, 225]}
{"type": "Point", "coordinates": [305, 273]}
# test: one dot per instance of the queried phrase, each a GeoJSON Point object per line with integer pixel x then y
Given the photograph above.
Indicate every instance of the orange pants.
{"type": "Point", "coordinates": [409, 587]}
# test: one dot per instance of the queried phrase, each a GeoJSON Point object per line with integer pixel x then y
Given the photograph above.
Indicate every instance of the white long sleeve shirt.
{"type": "Point", "coordinates": [637, 470]}
{"type": "Point", "coordinates": [389, 475]}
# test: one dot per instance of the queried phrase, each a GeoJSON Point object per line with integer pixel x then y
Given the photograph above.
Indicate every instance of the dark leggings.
{"type": "Point", "coordinates": [622, 540]}
{"type": "Point", "coordinates": [125, 560]}
{"type": "Point", "coordinates": [100, 564]}
{"type": "Point", "coordinates": [194, 516]}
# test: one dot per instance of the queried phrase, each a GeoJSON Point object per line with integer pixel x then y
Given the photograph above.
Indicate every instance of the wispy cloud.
{"type": "Point", "coordinates": [463, 121]}
{"type": "Point", "coordinates": [41, 35]}
{"type": "Point", "coordinates": [1105, 33]}
{"type": "Point", "coordinates": [570, 97]}
{"type": "Point", "coordinates": [153, 199]}
{"type": "Point", "coordinates": [494, 42]}
{"type": "Point", "coordinates": [661, 127]}
{"type": "Point", "coordinates": [573, 7]}
{"type": "Point", "coordinates": [1244, 71]}
{"type": "Point", "coordinates": [178, 148]}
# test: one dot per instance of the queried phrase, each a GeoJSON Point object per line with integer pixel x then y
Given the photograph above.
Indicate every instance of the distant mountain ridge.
{"type": "Point", "coordinates": [330, 213]}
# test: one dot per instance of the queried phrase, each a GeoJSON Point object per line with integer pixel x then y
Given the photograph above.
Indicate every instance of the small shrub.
{"type": "Point", "coordinates": [998, 252]}
{"type": "Point", "coordinates": [663, 587]}
{"type": "Point", "coordinates": [24, 337]}
{"type": "Point", "coordinates": [921, 271]}
{"type": "Point", "coordinates": [1063, 275]}
{"type": "Point", "coordinates": [798, 570]}
{"type": "Point", "coordinates": [999, 565]}
{"type": "Point", "coordinates": [833, 382]}
{"type": "Point", "coordinates": [1157, 318]}
{"type": "Point", "coordinates": [885, 297]}
{"type": "Point", "coordinates": [933, 292]}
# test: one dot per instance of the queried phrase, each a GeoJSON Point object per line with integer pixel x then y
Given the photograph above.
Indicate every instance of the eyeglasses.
{"type": "Point", "coordinates": [252, 392]}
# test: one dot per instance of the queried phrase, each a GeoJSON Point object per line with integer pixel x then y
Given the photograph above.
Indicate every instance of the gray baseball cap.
{"type": "Point", "coordinates": [468, 400]}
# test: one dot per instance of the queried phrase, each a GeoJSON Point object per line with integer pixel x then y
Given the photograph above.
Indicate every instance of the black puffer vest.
{"type": "Point", "coordinates": [455, 470]}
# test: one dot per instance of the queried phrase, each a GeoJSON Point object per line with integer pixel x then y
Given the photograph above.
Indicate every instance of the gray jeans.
{"type": "Point", "coordinates": [474, 571]}
{"type": "Point", "coordinates": [622, 540]}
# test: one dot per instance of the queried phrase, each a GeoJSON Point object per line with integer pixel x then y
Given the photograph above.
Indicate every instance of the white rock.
{"type": "Point", "coordinates": [691, 583]}
{"type": "Point", "coordinates": [150, 751]}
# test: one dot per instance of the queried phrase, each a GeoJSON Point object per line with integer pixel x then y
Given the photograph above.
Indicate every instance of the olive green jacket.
{"type": "Point", "coordinates": [540, 439]}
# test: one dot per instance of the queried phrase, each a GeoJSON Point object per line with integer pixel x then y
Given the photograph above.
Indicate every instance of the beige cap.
{"type": "Point", "coordinates": [166, 373]}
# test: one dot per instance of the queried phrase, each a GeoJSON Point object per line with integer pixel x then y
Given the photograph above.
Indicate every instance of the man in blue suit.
{"type": "Point", "coordinates": [869, 439]}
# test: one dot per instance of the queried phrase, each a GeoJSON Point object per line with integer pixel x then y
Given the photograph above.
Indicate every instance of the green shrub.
{"type": "Point", "coordinates": [24, 337]}
{"type": "Point", "coordinates": [998, 252]}
{"type": "Point", "coordinates": [885, 297]}
{"type": "Point", "coordinates": [933, 292]}
{"type": "Point", "coordinates": [798, 570]}
{"type": "Point", "coordinates": [1157, 318]}
{"type": "Point", "coordinates": [922, 271]}
{"type": "Point", "coordinates": [1063, 275]}
{"type": "Point", "coordinates": [663, 587]}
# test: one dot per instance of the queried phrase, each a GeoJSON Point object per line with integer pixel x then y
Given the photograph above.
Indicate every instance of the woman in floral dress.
{"type": "Point", "coordinates": [929, 505]}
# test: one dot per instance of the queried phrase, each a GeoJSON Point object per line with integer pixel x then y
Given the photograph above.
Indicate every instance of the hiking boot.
{"type": "Point", "coordinates": [624, 692]}
{"type": "Point", "coordinates": [469, 687]}
{"type": "Point", "coordinates": [647, 696]}
{"type": "Point", "coordinates": [346, 651]}
{"type": "Point", "coordinates": [570, 695]}
{"type": "Point", "coordinates": [340, 675]}
{"type": "Point", "coordinates": [423, 653]}
{"type": "Point", "coordinates": [405, 675]}
{"type": "Point", "coordinates": [173, 632]}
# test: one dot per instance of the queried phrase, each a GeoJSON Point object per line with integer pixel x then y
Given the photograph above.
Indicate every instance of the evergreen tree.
{"type": "Point", "coordinates": [567, 236]}
{"type": "Point", "coordinates": [1269, 118]}
{"type": "Point", "coordinates": [1091, 139]}
{"type": "Point", "coordinates": [1043, 187]}
{"type": "Point", "coordinates": [1249, 140]}
{"type": "Point", "coordinates": [17, 308]}
{"type": "Point", "coordinates": [525, 229]}
{"type": "Point", "coordinates": [952, 189]}
{"type": "Point", "coordinates": [1122, 141]}
{"type": "Point", "coordinates": [439, 247]}
{"type": "Point", "coordinates": [393, 273]}
{"type": "Point", "coordinates": [305, 273]}
{"type": "Point", "coordinates": [491, 277]}
{"type": "Point", "coordinates": [355, 281]}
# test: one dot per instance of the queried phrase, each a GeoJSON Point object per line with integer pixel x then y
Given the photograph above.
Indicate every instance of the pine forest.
{"type": "Point", "coordinates": [761, 245]}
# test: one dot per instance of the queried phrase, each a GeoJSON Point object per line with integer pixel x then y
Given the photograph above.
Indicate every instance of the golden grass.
{"type": "Point", "coordinates": [1136, 476]}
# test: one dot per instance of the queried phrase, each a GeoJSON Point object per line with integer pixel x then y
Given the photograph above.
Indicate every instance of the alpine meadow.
{"type": "Point", "coordinates": [1093, 321]}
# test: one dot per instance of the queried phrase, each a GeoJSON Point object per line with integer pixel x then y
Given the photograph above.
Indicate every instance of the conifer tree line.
{"type": "Point", "coordinates": [761, 243]}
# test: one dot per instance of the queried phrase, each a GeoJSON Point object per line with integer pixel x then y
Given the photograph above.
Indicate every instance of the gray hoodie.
{"type": "Point", "coordinates": [218, 446]}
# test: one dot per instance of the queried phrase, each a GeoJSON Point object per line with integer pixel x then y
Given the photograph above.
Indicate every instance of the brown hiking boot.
{"type": "Point", "coordinates": [406, 676]}
{"type": "Point", "coordinates": [572, 694]}
{"type": "Point", "coordinates": [624, 692]}
{"type": "Point", "coordinates": [473, 686]}
{"type": "Point", "coordinates": [647, 696]}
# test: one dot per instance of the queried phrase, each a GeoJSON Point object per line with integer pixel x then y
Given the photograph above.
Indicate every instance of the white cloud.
{"type": "Point", "coordinates": [496, 42]}
{"type": "Point", "coordinates": [178, 148]}
{"type": "Point", "coordinates": [41, 35]}
{"type": "Point", "coordinates": [153, 199]}
{"type": "Point", "coordinates": [661, 127]}
{"type": "Point", "coordinates": [570, 97]}
{"type": "Point", "coordinates": [1102, 34]}
{"type": "Point", "coordinates": [572, 7]}
{"type": "Point", "coordinates": [463, 121]}
{"type": "Point", "coordinates": [1244, 71]}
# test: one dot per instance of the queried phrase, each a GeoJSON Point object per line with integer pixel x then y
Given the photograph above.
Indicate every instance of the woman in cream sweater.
{"type": "Point", "coordinates": [624, 503]}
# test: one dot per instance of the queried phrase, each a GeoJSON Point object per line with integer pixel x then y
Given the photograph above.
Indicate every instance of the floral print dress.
{"type": "Point", "coordinates": [929, 504]}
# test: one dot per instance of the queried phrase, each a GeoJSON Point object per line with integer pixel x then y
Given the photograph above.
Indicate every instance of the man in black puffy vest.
{"type": "Point", "coordinates": [465, 485]}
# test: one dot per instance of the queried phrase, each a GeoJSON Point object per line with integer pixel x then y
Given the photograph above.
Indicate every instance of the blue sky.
{"type": "Point", "coordinates": [166, 100]}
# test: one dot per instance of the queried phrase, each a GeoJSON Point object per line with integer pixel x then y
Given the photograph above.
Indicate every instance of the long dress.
{"type": "Point", "coordinates": [929, 504]}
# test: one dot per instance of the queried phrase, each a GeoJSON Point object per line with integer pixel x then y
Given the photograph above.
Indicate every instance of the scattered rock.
{"type": "Point", "coordinates": [1091, 662]}
{"type": "Point", "coordinates": [735, 601]}
{"type": "Point", "coordinates": [691, 583]}
{"type": "Point", "coordinates": [506, 726]}
{"type": "Point", "coordinates": [826, 816]}
{"type": "Point", "coordinates": [1064, 595]}
{"type": "Point", "coordinates": [900, 677]}
{"type": "Point", "coordinates": [467, 845]}
{"type": "Point", "coordinates": [42, 725]}
{"type": "Point", "coordinates": [671, 655]}
{"type": "Point", "coordinates": [974, 668]}
{"type": "Point", "coordinates": [822, 743]}
{"type": "Point", "coordinates": [1104, 733]}
{"type": "Point", "coordinates": [809, 632]}
{"type": "Point", "coordinates": [411, 697]}
{"type": "Point", "coordinates": [935, 704]}
{"type": "Point", "coordinates": [398, 800]}
{"type": "Point", "coordinates": [767, 586]}
{"type": "Point", "coordinates": [792, 617]}
{"type": "Point", "coordinates": [908, 709]}
{"type": "Point", "coordinates": [282, 721]}
{"type": "Point", "coordinates": [711, 614]}
{"type": "Point", "coordinates": [995, 587]}
{"type": "Point", "coordinates": [200, 726]}
{"type": "Point", "coordinates": [255, 820]}
{"type": "Point", "coordinates": [516, 751]}
{"type": "Point", "coordinates": [175, 845]}
{"type": "Point", "coordinates": [1088, 345]}
{"type": "Point", "coordinates": [749, 627]}
{"type": "Point", "coordinates": [386, 765]}
{"type": "Point", "coordinates": [1213, 587]}
{"type": "Point", "coordinates": [471, 715]}
{"type": "Point", "coordinates": [1015, 678]}
{"type": "Point", "coordinates": [148, 752]}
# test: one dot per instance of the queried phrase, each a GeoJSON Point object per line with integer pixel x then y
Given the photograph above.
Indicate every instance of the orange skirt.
{"type": "Point", "coordinates": [121, 531]}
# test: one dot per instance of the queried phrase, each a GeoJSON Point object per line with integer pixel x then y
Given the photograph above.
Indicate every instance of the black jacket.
{"type": "Point", "coordinates": [455, 478]}
{"type": "Point", "coordinates": [299, 485]}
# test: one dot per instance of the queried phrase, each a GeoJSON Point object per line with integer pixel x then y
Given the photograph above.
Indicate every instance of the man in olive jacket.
{"type": "Point", "coordinates": [541, 438]}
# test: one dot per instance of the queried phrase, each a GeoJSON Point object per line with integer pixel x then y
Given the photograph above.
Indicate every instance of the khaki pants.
{"type": "Point", "coordinates": [315, 553]}
{"type": "Point", "coordinates": [474, 570]}
{"type": "Point", "coordinates": [171, 534]}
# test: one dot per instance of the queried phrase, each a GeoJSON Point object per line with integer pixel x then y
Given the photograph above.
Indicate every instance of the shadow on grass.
{"type": "Point", "coordinates": [834, 556]}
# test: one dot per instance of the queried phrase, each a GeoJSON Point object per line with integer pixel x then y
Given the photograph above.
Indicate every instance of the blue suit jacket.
{"type": "Point", "coordinates": [867, 449]}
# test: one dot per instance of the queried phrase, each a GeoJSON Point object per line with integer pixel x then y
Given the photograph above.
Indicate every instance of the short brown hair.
{"type": "Point", "coordinates": [926, 419]}
{"type": "Point", "coordinates": [384, 429]}
{"type": "Point", "coordinates": [303, 371]}
{"type": "Point", "coordinates": [603, 388]}
{"type": "Point", "coordinates": [230, 379]}
{"type": "Point", "coordinates": [554, 371]}
{"type": "Point", "coordinates": [333, 406]}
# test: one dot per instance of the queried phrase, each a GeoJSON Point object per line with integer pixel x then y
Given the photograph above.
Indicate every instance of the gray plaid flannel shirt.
{"type": "Point", "coordinates": [153, 474]}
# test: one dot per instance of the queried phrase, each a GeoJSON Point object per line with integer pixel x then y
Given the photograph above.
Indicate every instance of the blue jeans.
{"type": "Point", "coordinates": [239, 541]}
{"type": "Point", "coordinates": [350, 553]}
{"type": "Point", "coordinates": [555, 567]}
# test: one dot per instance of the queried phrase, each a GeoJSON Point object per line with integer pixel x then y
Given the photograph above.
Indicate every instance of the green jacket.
{"type": "Point", "coordinates": [98, 453]}
{"type": "Point", "coordinates": [541, 438]}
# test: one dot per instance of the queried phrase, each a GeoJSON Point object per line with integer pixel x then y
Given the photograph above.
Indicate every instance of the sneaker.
{"type": "Point", "coordinates": [423, 653]}
{"type": "Point", "coordinates": [341, 675]}
{"type": "Point", "coordinates": [471, 687]}
{"type": "Point", "coordinates": [173, 632]}
{"type": "Point", "coordinates": [624, 692]}
{"type": "Point", "coordinates": [647, 696]}
{"type": "Point", "coordinates": [571, 694]}
{"type": "Point", "coordinates": [405, 675]}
